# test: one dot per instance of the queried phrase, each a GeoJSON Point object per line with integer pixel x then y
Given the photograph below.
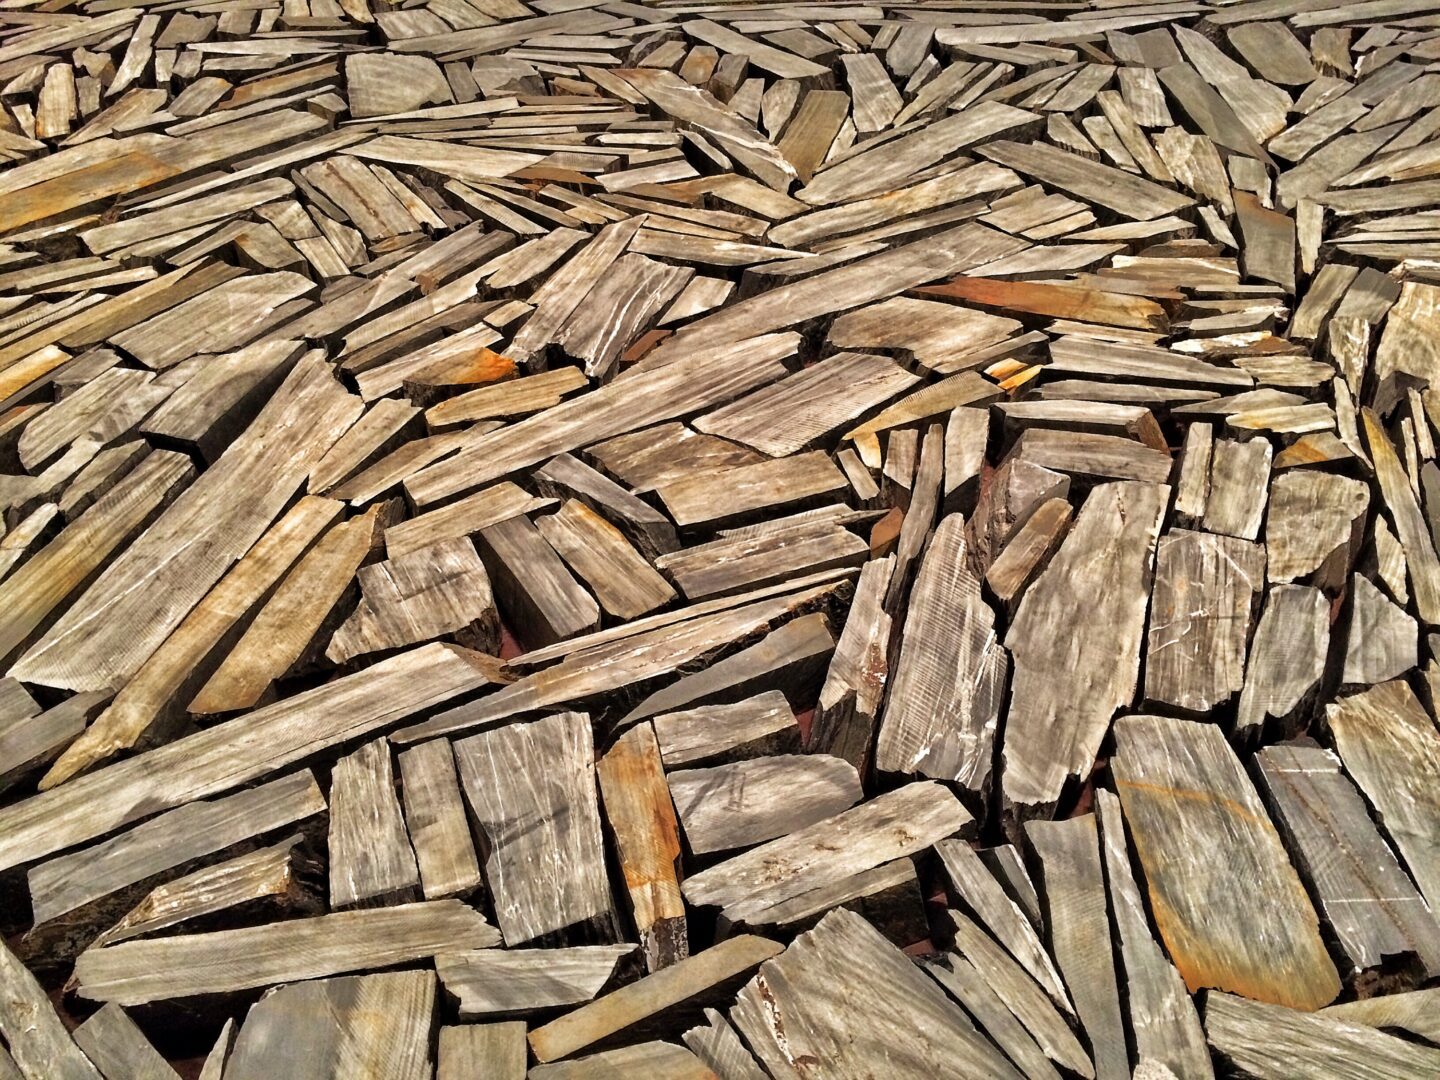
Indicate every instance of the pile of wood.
{"type": "Point", "coordinates": [696, 538]}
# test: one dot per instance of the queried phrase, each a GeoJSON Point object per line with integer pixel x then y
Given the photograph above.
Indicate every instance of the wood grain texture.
{"type": "Point", "coordinates": [1178, 781]}
{"type": "Point", "coordinates": [531, 788]}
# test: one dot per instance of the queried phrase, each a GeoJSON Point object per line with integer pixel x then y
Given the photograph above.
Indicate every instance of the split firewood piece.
{"type": "Point", "coordinates": [695, 108]}
{"type": "Point", "coordinates": [38, 1042]}
{"type": "Point", "coordinates": [1390, 749]}
{"type": "Point", "coordinates": [876, 832]}
{"type": "Point", "coordinates": [646, 459]}
{"type": "Point", "coordinates": [711, 975]}
{"type": "Point", "coordinates": [789, 658]}
{"type": "Point", "coordinates": [1382, 642]}
{"type": "Point", "coordinates": [801, 411]}
{"type": "Point", "coordinates": [986, 899]}
{"type": "Point", "coordinates": [850, 285]}
{"type": "Point", "coordinates": [1412, 1012]}
{"type": "Point", "coordinates": [380, 431]}
{"type": "Point", "coordinates": [630, 655]}
{"type": "Point", "coordinates": [1271, 1042]}
{"type": "Point", "coordinates": [496, 1050]}
{"type": "Point", "coordinates": [29, 742]}
{"type": "Point", "coordinates": [967, 433]}
{"type": "Point", "coordinates": [1408, 519]}
{"type": "Point", "coordinates": [212, 407]}
{"type": "Point", "coordinates": [1028, 551]}
{"type": "Point", "coordinates": [699, 380]}
{"type": "Point", "coordinates": [1286, 663]}
{"type": "Point", "coordinates": [1073, 885]}
{"type": "Point", "coordinates": [810, 135]}
{"type": "Point", "coordinates": [380, 83]}
{"type": "Point", "coordinates": [719, 1047]}
{"type": "Point", "coordinates": [355, 1025]}
{"type": "Point", "coordinates": [154, 699]}
{"type": "Point", "coordinates": [539, 597]}
{"type": "Point", "coordinates": [1371, 906]}
{"type": "Point", "coordinates": [843, 723]}
{"type": "Point", "coordinates": [1084, 357]}
{"type": "Point", "coordinates": [747, 802]}
{"type": "Point", "coordinates": [117, 1045]}
{"type": "Point", "coordinates": [1239, 486]}
{"type": "Point", "coordinates": [568, 477]}
{"type": "Point", "coordinates": [1127, 195]}
{"type": "Point", "coordinates": [662, 1060]}
{"type": "Point", "coordinates": [436, 823]}
{"type": "Point", "coordinates": [1059, 301]}
{"type": "Point", "coordinates": [1268, 242]}
{"type": "Point", "coordinates": [104, 409]}
{"type": "Point", "coordinates": [531, 790]}
{"type": "Point", "coordinates": [1162, 1014]}
{"type": "Point", "coordinates": [228, 755]}
{"type": "Point", "coordinates": [94, 886]}
{"type": "Point", "coordinates": [1408, 342]}
{"type": "Point", "coordinates": [647, 839]}
{"type": "Point", "coordinates": [181, 557]}
{"type": "Point", "coordinates": [289, 627]}
{"type": "Point", "coordinates": [1093, 417]}
{"type": "Point", "coordinates": [516, 982]}
{"type": "Point", "coordinates": [724, 497]}
{"type": "Point", "coordinates": [939, 194]}
{"type": "Point", "coordinates": [506, 400]}
{"type": "Point", "coordinates": [919, 509]}
{"type": "Point", "coordinates": [1201, 610]}
{"type": "Point", "coordinates": [720, 734]}
{"type": "Point", "coordinates": [769, 552]}
{"type": "Point", "coordinates": [1093, 457]}
{"type": "Point", "coordinates": [440, 590]}
{"type": "Point", "coordinates": [371, 861]}
{"type": "Point", "coordinates": [1214, 864]}
{"type": "Point", "coordinates": [943, 711]}
{"type": "Point", "coordinates": [625, 585]}
{"type": "Point", "coordinates": [227, 961]}
{"type": "Point", "coordinates": [224, 318]}
{"type": "Point", "coordinates": [264, 881]}
{"type": "Point", "coordinates": [1075, 644]}
{"type": "Point", "coordinates": [869, 172]}
{"type": "Point", "coordinates": [465, 517]}
{"type": "Point", "coordinates": [844, 995]}
{"type": "Point", "coordinates": [1313, 526]}
{"type": "Point", "coordinates": [1016, 489]}
{"type": "Point", "coordinates": [31, 594]}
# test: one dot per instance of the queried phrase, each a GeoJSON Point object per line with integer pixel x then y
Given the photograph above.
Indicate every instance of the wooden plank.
{"type": "Point", "coordinates": [371, 861]}
{"type": "Point", "coordinates": [118, 1046]}
{"type": "Point", "coordinates": [351, 1025]}
{"type": "Point", "coordinates": [195, 542]}
{"type": "Point", "coordinates": [1073, 884]}
{"type": "Point", "coordinates": [942, 715]}
{"type": "Point", "coordinates": [516, 982]}
{"type": "Point", "coordinates": [1365, 897]}
{"type": "Point", "coordinates": [675, 985]}
{"type": "Point", "coordinates": [531, 789]}
{"type": "Point", "coordinates": [1179, 782]}
{"type": "Point", "coordinates": [823, 998]}
{"type": "Point", "coordinates": [225, 756]}
{"type": "Point", "coordinates": [38, 1042]}
{"type": "Point", "coordinates": [435, 591]}
{"type": "Point", "coordinates": [1389, 746]}
{"type": "Point", "coordinates": [223, 961]}
{"type": "Point", "coordinates": [1268, 1040]}
{"type": "Point", "coordinates": [1060, 710]}
{"type": "Point", "coordinates": [642, 821]}
{"type": "Point", "coordinates": [1201, 609]}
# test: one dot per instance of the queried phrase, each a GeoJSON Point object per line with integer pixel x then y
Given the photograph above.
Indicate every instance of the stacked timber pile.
{"type": "Point", "coordinates": [590, 538]}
